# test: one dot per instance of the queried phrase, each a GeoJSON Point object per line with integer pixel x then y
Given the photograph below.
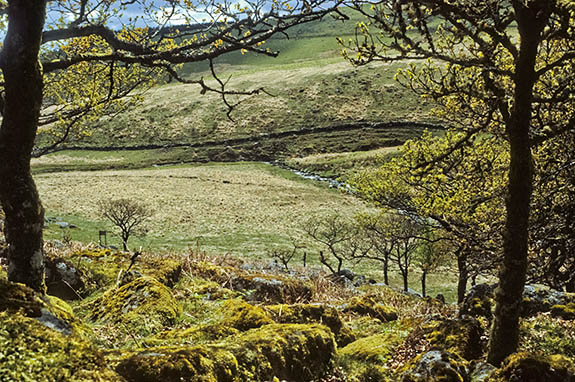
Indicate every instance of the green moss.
{"type": "Point", "coordinates": [100, 267]}
{"type": "Point", "coordinates": [458, 336]}
{"type": "Point", "coordinates": [18, 298]}
{"type": "Point", "coordinates": [292, 352]}
{"type": "Point", "coordinates": [243, 316]}
{"type": "Point", "coordinates": [197, 334]}
{"type": "Point", "coordinates": [64, 313]}
{"type": "Point", "coordinates": [312, 313]}
{"type": "Point", "coordinates": [365, 359]}
{"type": "Point", "coordinates": [209, 290]}
{"type": "Point", "coordinates": [257, 286]}
{"type": "Point", "coordinates": [194, 364]}
{"type": "Point", "coordinates": [435, 366]}
{"type": "Point", "coordinates": [164, 269]}
{"type": "Point", "coordinates": [547, 335]}
{"type": "Point", "coordinates": [566, 312]}
{"type": "Point", "coordinates": [529, 367]}
{"type": "Point", "coordinates": [144, 302]}
{"type": "Point", "coordinates": [367, 305]}
{"type": "Point", "coordinates": [296, 353]}
{"type": "Point", "coordinates": [29, 351]}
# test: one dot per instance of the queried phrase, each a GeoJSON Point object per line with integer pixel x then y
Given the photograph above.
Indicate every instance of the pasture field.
{"type": "Point", "coordinates": [241, 209]}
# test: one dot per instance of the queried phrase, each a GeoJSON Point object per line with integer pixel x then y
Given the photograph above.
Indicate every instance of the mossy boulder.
{"type": "Point", "coordinates": [241, 315]}
{"type": "Point", "coordinates": [31, 351]}
{"type": "Point", "coordinates": [175, 364]}
{"type": "Point", "coordinates": [273, 289]}
{"type": "Point", "coordinates": [526, 367]}
{"type": "Point", "coordinates": [435, 366]}
{"type": "Point", "coordinates": [292, 352]}
{"type": "Point", "coordinates": [296, 353]}
{"type": "Point", "coordinates": [166, 270]}
{"type": "Point", "coordinates": [194, 335]}
{"type": "Point", "coordinates": [63, 279]}
{"type": "Point", "coordinates": [209, 290]}
{"type": "Point", "coordinates": [566, 312]}
{"type": "Point", "coordinates": [142, 302]}
{"type": "Point", "coordinates": [261, 287]}
{"type": "Point", "coordinates": [99, 267]}
{"type": "Point", "coordinates": [52, 312]}
{"type": "Point", "coordinates": [312, 313]}
{"type": "Point", "coordinates": [365, 359]}
{"type": "Point", "coordinates": [462, 336]}
{"type": "Point", "coordinates": [368, 305]}
{"type": "Point", "coordinates": [479, 302]}
{"type": "Point", "coordinates": [18, 298]}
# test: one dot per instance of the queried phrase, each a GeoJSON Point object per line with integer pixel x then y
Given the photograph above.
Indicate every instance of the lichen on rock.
{"type": "Point", "coordinates": [435, 366]}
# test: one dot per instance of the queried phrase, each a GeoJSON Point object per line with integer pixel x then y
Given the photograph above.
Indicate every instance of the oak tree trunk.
{"type": "Point", "coordinates": [463, 274]}
{"type": "Point", "coordinates": [504, 338]}
{"type": "Point", "coordinates": [423, 282]}
{"type": "Point", "coordinates": [22, 101]}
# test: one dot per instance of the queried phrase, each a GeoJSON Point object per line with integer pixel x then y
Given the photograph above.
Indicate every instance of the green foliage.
{"type": "Point", "coordinates": [547, 335]}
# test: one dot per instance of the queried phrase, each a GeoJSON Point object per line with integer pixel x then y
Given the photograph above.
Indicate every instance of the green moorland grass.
{"type": "Point", "coordinates": [241, 209]}
{"type": "Point", "coordinates": [309, 85]}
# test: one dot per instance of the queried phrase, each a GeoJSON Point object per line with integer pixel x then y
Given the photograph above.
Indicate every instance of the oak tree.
{"type": "Point", "coordinates": [499, 67]}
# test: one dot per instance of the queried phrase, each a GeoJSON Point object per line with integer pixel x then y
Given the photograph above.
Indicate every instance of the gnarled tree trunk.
{"type": "Point", "coordinates": [504, 337]}
{"type": "Point", "coordinates": [22, 102]}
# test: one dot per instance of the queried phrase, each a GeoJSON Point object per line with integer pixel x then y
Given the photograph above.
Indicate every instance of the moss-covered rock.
{"type": "Point", "coordinates": [296, 353]}
{"type": "Point", "coordinates": [144, 301]}
{"type": "Point", "coordinates": [367, 305]}
{"type": "Point", "coordinates": [209, 290]}
{"type": "Point", "coordinates": [31, 351]}
{"type": "Point", "coordinates": [259, 287]}
{"type": "Point", "coordinates": [52, 312]}
{"type": "Point", "coordinates": [312, 313]}
{"type": "Point", "coordinates": [194, 364]}
{"type": "Point", "coordinates": [435, 366]}
{"type": "Point", "coordinates": [241, 315]}
{"type": "Point", "coordinates": [479, 302]}
{"type": "Point", "coordinates": [566, 312]}
{"type": "Point", "coordinates": [365, 359]}
{"type": "Point", "coordinates": [99, 267]}
{"type": "Point", "coordinates": [164, 269]}
{"type": "Point", "coordinates": [292, 352]}
{"type": "Point", "coordinates": [460, 336]}
{"type": "Point", "coordinates": [18, 298]}
{"type": "Point", "coordinates": [526, 367]}
{"type": "Point", "coordinates": [194, 335]}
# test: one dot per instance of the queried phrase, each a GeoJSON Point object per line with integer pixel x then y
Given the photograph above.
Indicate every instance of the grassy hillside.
{"type": "Point", "coordinates": [309, 85]}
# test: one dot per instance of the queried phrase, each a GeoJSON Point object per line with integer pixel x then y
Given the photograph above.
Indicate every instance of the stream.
{"type": "Point", "coordinates": [333, 183]}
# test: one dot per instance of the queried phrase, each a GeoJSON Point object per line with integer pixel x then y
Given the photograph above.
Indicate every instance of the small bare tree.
{"type": "Point", "coordinates": [341, 237]}
{"type": "Point", "coordinates": [127, 215]}
{"type": "Point", "coordinates": [285, 255]}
